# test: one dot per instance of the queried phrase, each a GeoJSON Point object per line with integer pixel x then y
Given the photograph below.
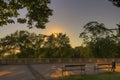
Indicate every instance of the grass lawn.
{"type": "Point", "coordinates": [101, 76]}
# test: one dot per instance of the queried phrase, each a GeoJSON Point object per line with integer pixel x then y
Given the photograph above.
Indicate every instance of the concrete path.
{"type": "Point", "coordinates": [35, 73]}
{"type": "Point", "coordinates": [40, 71]}
{"type": "Point", "coordinates": [15, 72]}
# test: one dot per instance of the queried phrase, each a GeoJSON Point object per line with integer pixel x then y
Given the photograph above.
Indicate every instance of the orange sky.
{"type": "Point", "coordinates": [69, 16]}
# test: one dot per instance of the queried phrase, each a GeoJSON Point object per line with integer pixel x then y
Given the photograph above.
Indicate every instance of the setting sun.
{"type": "Point", "coordinates": [55, 29]}
{"type": "Point", "coordinates": [59, 39]}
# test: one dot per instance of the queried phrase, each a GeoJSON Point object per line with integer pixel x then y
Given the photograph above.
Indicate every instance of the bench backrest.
{"type": "Point", "coordinates": [72, 65]}
{"type": "Point", "coordinates": [104, 64]}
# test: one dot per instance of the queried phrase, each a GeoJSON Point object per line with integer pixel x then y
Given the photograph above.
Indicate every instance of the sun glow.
{"type": "Point", "coordinates": [55, 29]}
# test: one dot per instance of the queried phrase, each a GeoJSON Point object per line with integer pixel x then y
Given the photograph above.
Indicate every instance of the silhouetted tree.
{"type": "Point", "coordinates": [27, 43]}
{"type": "Point", "coordinates": [58, 45]}
{"type": "Point", "coordinates": [39, 46]}
{"type": "Point", "coordinates": [99, 39]}
{"type": "Point", "coordinates": [104, 48]}
{"type": "Point", "coordinates": [37, 13]}
{"type": "Point", "coordinates": [116, 2]}
{"type": "Point", "coordinates": [94, 30]}
{"type": "Point", "coordinates": [57, 40]}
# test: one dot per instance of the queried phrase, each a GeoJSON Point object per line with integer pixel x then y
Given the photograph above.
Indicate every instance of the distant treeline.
{"type": "Point", "coordinates": [99, 42]}
{"type": "Point", "coordinates": [23, 44]}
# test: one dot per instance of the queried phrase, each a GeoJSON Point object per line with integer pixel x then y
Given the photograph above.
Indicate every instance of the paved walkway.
{"type": "Point", "coordinates": [35, 73]}
{"type": "Point", "coordinates": [15, 72]}
{"type": "Point", "coordinates": [39, 71]}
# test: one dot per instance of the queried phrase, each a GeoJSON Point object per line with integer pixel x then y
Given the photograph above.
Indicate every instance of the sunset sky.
{"type": "Point", "coordinates": [69, 16]}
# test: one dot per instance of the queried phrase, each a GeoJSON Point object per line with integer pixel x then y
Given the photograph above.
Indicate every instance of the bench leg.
{"type": "Point", "coordinates": [62, 73]}
{"type": "Point", "coordinates": [82, 72]}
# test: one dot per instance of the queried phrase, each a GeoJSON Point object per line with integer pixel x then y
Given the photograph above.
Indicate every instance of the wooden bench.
{"type": "Point", "coordinates": [73, 67]}
{"type": "Point", "coordinates": [103, 66]}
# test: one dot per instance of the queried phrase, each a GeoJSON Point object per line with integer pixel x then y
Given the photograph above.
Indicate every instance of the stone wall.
{"type": "Point", "coordinates": [57, 60]}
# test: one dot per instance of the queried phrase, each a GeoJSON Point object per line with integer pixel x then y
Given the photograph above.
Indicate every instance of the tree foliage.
{"type": "Point", "coordinates": [37, 13]}
{"type": "Point", "coordinates": [104, 48]}
{"type": "Point", "coordinates": [57, 40]}
{"type": "Point", "coordinates": [58, 45]}
{"type": "Point", "coordinates": [102, 43]}
{"type": "Point", "coordinates": [116, 2]}
{"type": "Point", "coordinates": [32, 45]}
{"type": "Point", "coordinates": [94, 30]}
{"type": "Point", "coordinates": [23, 41]}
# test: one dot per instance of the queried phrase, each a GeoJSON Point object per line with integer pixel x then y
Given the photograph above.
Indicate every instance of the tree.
{"type": "Point", "coordinates": [116, 2]}
{"type": "Point", "coordinates": [100, 48]}
{"type": "Point", "coordinates": [57, 45]}
{"type": "Point", "coordinates": [97, 37]}
{"type": "Point", "coordinates": [117, 49]}
{"type": "Point", "coordinates": [57, 40]}
{"type": "Point", "coordinates": [37, 13]}
{"type": "Point", "coordinates": [31, 45]}
{"type": "Point", "coordinates": [27, 43]}
{"type": "Point", "coordinates": [94, 30]}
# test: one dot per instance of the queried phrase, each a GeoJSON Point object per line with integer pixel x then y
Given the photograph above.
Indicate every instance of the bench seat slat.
{"type": "Point", "coordinates": [103, 67]}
